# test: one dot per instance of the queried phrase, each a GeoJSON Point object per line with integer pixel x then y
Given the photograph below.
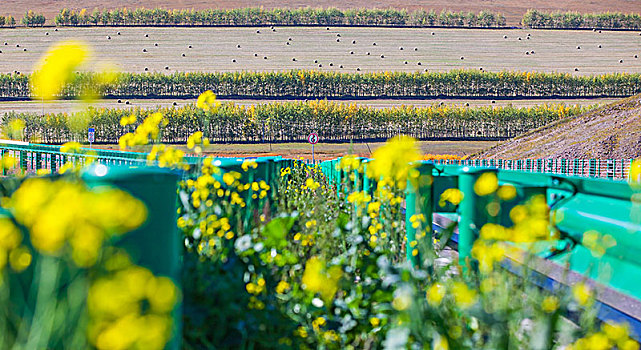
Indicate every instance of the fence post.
{"type": "Point", "coordinates": [471, 212]}
{"type": "Point", "coordinates": [418, 200]}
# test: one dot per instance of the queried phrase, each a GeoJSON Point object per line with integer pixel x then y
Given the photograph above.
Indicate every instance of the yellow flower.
{"type": "Point", "coordinates": [582, 293]}
{"type": "Point", "coordinates": [15, 130]}
{"type": "Point", "coordinates": [20, 259]}
{"type": "Point", "coordinates": [487, 254]}
{"type": "Point", "coordinates": [207, 101]}
{"type": "Point", "coordinates": [506, 192]}
{"type": "Point", "coordinates": [318, 279]}
{"type": "Point", "coordinates": [375, 321]}
{"type": "Point", "coordinates": [435, 294]}
{"type": "Point", "coordinates": [550, 304]}
{"type": "Point", "coordinates": [597, 243]}
{"type": "Point", "coordinates": [486, 184]}
{"type": "Point", "coordinates": [57, 68]}
{"type": "Point", "coordinates": [282, 287]}
{"type": "Point", "coordinates": [463, 296]}
{"type": "Point", "coordinates": [394, 160]}
{"type": "Point", "coordinates": [452, 195]}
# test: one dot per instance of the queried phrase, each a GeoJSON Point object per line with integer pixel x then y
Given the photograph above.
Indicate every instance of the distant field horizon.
{"type": "Point", "coordinates": [513, 10]}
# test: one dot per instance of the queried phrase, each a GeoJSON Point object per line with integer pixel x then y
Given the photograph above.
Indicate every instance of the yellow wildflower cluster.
{"type": "Point", "coordinates": [128, 120]}
{"type": "Point", "coordinates": [71, 147]}
{"type": "Point", "coordinates": [166, 157]}
{"type": "Point", "coordinates": [319, 279]}
{"type": "Point", "coordinates": [195, 140]}
{"type": "Point", "coordinates": [56, 212]}
{"type": "Point", "coordinates": [393, 161]}
{"type": "Point", "coordinates": [598, 243]}
{"type": "Point", "coordinates": [350, 163]}
{"type": "Point", "coordinates": [609, 337]}
{"type": "Point", "coordinates": [487, 254]}
{"type": "Point", "coordinates": [582, 293]}
{"type": "Point", "coordinates": [116, 303]}
{"type": "Point", "coordinates": [305, 239]}
{"type": "Point", "coordinates": [282, 287]}
{"type": "Point", "coordinates": [286, 171]}
{"type": "Point", "coordinates": [452, 195]}
{"type": "Point", "coordinates": [463, 296]}
{"type": "Point", "coordinates": [249, 163]}
{"type": "Point", "coordinates": [207, 102]}
{"type": "Point", "coordinates": [148, 130]}
{"type": "Point", "coordinates": [311, 185]}
{"type": "Point", "coordinates": [10, 249]}
{"type": "Point", "coordinates": [57, 68]}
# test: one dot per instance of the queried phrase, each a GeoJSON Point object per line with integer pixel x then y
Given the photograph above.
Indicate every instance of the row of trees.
{"type": "Point", "coordinates": [576, 20]}
{"type": "Point", "coordinates": [315, 84]}
{"type": "Point", "coordinates": [293, 121]}
{"type": "Point", "coordinates": [7, 21]}
{"type": "Point", "coordinates": [32, 19]}
{"type": "Point", "coordinates": [259, 16]}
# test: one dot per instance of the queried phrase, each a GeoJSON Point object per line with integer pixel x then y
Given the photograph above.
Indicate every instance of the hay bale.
{"type": "Point", "coordinates": [118, 33]}
{"type": "Point", "coordinates": [327, 28]}
{"type": "Point", "coordinates": [146, 69]}
{"type": "Point", "coordinates": [175, 103]}
{"type": "Point", "coordinates": [493, 101]}
{"type": "Point", "coordinates": [401, 48]}
{"type": "Point", "coordinates": [353, 41]}
{"type": "Point", "coordinates": [432, 33]}
{"type": "Point", "coordinates": [47, 33]}
{"type": "Point", "coordinates": [416, 49]}
{"type": "Point", "coordinates": [338, 40]}
{"type": "Point", "coordinates": [578, 47]}
{"type": "Point", "coordinates": [287, 43]}
{"type": "Point", "coordinates": [405, 62]}
{"type": "Point", "coordinates": [315, 61]}
{"type": "Point", "coordinates": [6, 43]}
{"type": "Point", "coordinates": [382, 56]}
{"type": "Point", "coordinates": [145, 50]}
{"type": "Point", "coordinates": [331, 64]}
{"type": "Point", "coordinates": [146, 35]}
{"type": "Point", "coordinates": [55, 30]}
{"type": "Point", "coordinates": [351, 52]}
{"type": "Point", "coordinates": [418, 63]}
{"type": "Point", "coordinates": [264, 57]}
{"type": "Point", "coordinates": [338, 35]}
{"type": "Point", "coordinates": [576, 69]}
{"type": "Point", "coordinates": [289, 39]}
{"type": "Point", "coordinates": [462, 57]}
{"type": "Point", "coordinates": [373, 44]}
{"type": "Point", "coordinates": [519, 38]}
{"type": "Point", "coordinates": [119, 101]}
{"type": "Point", "coordinates": [320, 66]}
{"type": "Point", "coordinates": [532, 52]}
{"type": "Point", "coordinates": [166, 67]}
{"type": "Point", "coordinates": [127, 102]}
{"type": "Point", "coordinates": [238, 46]}
{"type": "Point", "coordinates": [527, 52]}
{"type": "Point", "coordinates": [108, 37]}
{"type": "Point", "coordinates": [599, 46]}
{"type": "Point", "coordinates": [255, 55]}
{"type": "Point", "coordinates": [24, 49]}
{"type": "Point", "coordinates": [258, 32]}
{"type": "Point", "coordinates": [504, 36]}
{"type": "Point", "coordinates": [620, 61]}
{"type": "Point", "coordinates": [156, 44]}
{"type": "Point", "coordinates": [233, 60]}
{"type": "Point", "coordinates": [368, 54]}
{"type": "Point", "coordinates": [341, 66]}
{"type": "Point", "coordinates": [294, 59]}
{"type": "Point", "coordinates": [358, 68]}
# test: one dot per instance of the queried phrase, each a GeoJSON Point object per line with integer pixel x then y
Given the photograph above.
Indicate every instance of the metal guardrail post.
{"type": "Point", "coordinates": [418, 201]}
{"type": "Point", "coordinates": [156, 244]}
{"type": "Point", "coordinates": [471, 212]}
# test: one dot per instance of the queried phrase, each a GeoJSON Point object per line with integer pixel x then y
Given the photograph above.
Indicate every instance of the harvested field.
{"type": "Point", "coordinates": [216, 49]}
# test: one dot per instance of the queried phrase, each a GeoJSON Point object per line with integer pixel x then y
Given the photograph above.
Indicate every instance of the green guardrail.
{"type": "Point", "coordinates": [577, 205]}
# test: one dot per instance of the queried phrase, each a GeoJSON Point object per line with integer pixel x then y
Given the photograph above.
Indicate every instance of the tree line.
{"type": "Point", "coordinates": [315, 84]}
{"type": "Point", "coordinates": [575, 20]}
{"type": "Point", "coordinates": [293, 121]}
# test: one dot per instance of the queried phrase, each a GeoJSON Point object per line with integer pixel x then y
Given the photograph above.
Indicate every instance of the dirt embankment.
{"type": "Point", "coordinates": [612, 131]}
{"type": "Point", "coordinates": [513, 10]}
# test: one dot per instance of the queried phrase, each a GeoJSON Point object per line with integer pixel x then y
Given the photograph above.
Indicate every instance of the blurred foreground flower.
{"type": "Point", "coordinates": [392, 161]}
{"type": "Point", "coordinates": [56, 68]}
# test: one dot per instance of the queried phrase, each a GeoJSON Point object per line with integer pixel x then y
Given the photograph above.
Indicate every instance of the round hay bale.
{"type": "Point", "coordinates": [462, 57]}
{"type": "Point", "coordinates": [287, 43]}
{"type": "Point", "coordinates": [118, 33]}
{"type": "Point", "coordinates": [55, 30]}
{"type": "Point", "coordinates": [353, 41]}
{"type": "Point", "coordinates": [258, 32]}
{"type": "Point", "coordinates": [331, 64]}
{"type": "Point", "coordinates": [146, 35]}
{"type": "Point", "coordinates": [418, 63]}
{"type": "Point", "coordinates": [320, 66]}
{"type": "Point", "coordinates": [527, 52]}
{"type": "Point", "coordinates": [599, 46]}
{"type": "Point", "coordinates": [532, 52]}
{"type": "Point", "coordinates": [519, 38]}
{"type": "Point", "coordinates": [238, 46]}
{"type": "Point", "coordinates": [233, 60]}
{"type": "Point", "coordinates": [108, 37]}
{"type": "Point", "coordinates": [599, 32]}
{"type": "Point", "coordinates": [425, 70]}
{"type": "Point", "coordinates": [166, 67]}
{"type": "Point", "coordinates": [289, 39]}
{"type": "Point", "coordinates": [358, 69]}
{"type": "Point", "coordinates": [504, 36]}
{"type": "Point", "coordinates": [467, 104]}
{"type": "Point", "coordinates": [373, 44]}
{"type": "Point", "coordinates": [264, 57]}
{"type": "Point", "coordinates": [294, 59]}
{"type": "Point", "coordinates": [175, 103]}
{"type": "Point", "coordinates": [6, 43]}
{"type": "Point", "coordinates": [338, 40]}
{"type": "Point", "coordinates": [338, 35]}
{"type": "Point", "coordinates": [405, 62]}
{"type": "Point", "coordinates": [620, 61]}
{"type": "Point", "coordinates": [144, 50]}
{"type": "Point", "coordinates": [416, 49]}
{"type": "Point", "coordinates": [481, 68]}
{"type": "Point", "coordinates": [351, 52]}
{"type": "Point", "coordinates": [578, 47]}
{"type": "Point", "coordinates": [47, 33]}
{"type": "Point", "coordinates": [315, 61]}
{"type": "Point", "coordinates": [24, 49]}
{"type": "Point", "coordinates": [432, 33]}
{"type": "Point", "coordinates": [146, 69]}
{"type": "Point", "coordinates": [493, 101]}
{"type": "Point", "coordinates": [327, 28]}
{"type": "Point", "coordinates": [576, 69]}
{"type": "Point", "coordinates": [127, 102]}
{"type": "Point", "coordinates": [341, 66]}
{"type": "Point", "coordinates": [255, 55]}
{"type": "Point", "coordinates": [401, 48]}
{"type": "Point", "coordinates": [119, 101]}
{"type": "Point", "coordinates": [382, 56]}
{"type": "Point", "coordinates": [636, 56]}
{"type": "Point", "coordinates": [368, 54]}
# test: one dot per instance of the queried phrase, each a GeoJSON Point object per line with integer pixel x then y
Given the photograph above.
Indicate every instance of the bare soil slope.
{"type": "Point", "coordinates": [612, 131]}
{"type": "Point", "coordinates": [512, 9]}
